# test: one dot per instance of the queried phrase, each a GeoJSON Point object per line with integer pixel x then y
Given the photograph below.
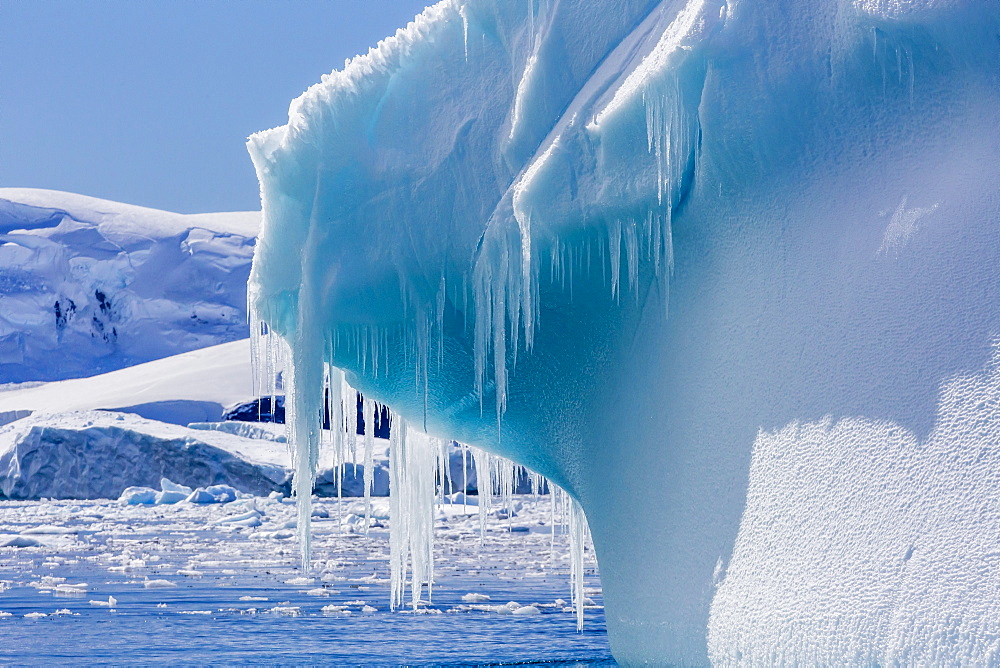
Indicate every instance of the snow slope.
{"type": "Point", "coordinates": [195, 386]}
{"type": "Point", "coordinates": [88, 286]}
{"type": "Point", "coordinates": [664, 241]}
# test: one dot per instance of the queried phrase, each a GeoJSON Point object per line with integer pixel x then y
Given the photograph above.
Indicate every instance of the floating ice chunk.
{"type": "Point", "coordinates": [335, 610]}
{"type": "Point", "coordinates": [300, 581]}
{"type": "Point", "coordinates": [35, 615]}
{"type": "Point", "coordinates": [475, 598]}
{"type": "Point", "coordinates": [223, 493]}
{"type": "Point", "coordinates": [21, 541]}
{"type": "Point", "coordinates": [190, 572]}
{"type": "Point", "coordinates": [71, 589]}
{"type": "Point", "coordinates": [508, 608]}
{"type": "Point", "coordinates": [158, 584]}
{"type": "Point", "coordinates": [287, 610]}
{"type": "Point", "coordinates": [4, 615]}
{"type": "Point", "coordinates": [135, 496]}
{"type": "Point", "coordinates": [110, 603]}
{"type": "Point", "coordinates": [200, 495]}
{"type": "Point", "coordinates": [213, 494]}
{"type": "Point", "coordinates": [172, 492]}
{"type": "Point", "coordinates": [169, 498]}
{"type": "Point", "coordinates": [168, 486]}
{"type": "Point", "coordinates": [249, 519]}
{"type": "Point", "coordinates": [369, 608]}
{"type": "Point", "coordinates": [525, 610]}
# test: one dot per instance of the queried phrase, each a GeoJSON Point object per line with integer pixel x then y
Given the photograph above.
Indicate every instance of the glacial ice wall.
{"type": "Point", "coordinates": [732, 252]}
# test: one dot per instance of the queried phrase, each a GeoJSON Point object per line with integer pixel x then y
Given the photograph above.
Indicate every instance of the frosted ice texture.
{"type": "Point", "coordinates": [667, 242]}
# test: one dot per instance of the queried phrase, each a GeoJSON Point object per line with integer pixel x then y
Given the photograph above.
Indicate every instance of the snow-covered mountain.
{"type": "Point", "coordinates": [88, 285]}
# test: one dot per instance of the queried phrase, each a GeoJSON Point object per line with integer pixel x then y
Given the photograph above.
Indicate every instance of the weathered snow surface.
{"type": "Point", "coordinates": [98, 454]}
{"type": "Point", "coordinates": [191, 387]}
{"type": "Point", "coordinates": [88, 285]}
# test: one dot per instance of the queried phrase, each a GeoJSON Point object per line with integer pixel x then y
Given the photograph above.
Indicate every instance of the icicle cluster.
{"type": "Point", "coordinates": [413, 460]}
{"type": "Point", "coordinates": [419, 471]}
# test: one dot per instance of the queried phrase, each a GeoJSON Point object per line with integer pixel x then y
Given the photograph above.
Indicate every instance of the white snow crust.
{"type": "Point", "coordinates": [733, 253]}
{"type": "Point", "coordinates": [196, 386]}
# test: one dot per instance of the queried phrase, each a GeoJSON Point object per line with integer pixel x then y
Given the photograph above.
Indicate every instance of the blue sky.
{"type": "Point", "coordinates": [151, 102]}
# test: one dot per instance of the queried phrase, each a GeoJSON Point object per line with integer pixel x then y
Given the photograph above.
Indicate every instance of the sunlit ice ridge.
{"type": "Point", "coordinates": [727, 272]}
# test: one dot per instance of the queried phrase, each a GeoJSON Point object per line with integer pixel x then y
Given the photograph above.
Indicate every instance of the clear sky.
{"type": "Point", "coordinates": [151, 102]}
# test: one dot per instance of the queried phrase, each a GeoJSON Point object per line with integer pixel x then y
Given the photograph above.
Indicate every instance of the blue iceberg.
{"type": "Point", "coordinates": [742, 255]}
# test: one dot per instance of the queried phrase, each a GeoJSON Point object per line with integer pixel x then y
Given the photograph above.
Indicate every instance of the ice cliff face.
{"type": "Point", "coordinates": [742, 254]}
{"type": "Point", "coordinates": [88, 286]}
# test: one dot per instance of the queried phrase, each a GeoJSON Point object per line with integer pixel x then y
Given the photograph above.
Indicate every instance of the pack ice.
{"type": "Point", "coordinates": [741, 254]}
{"type": "Point", "coordinates": [88, 286]}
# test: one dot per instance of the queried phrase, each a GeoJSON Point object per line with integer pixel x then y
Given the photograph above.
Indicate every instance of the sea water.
{"type": "Point", "coordinates": [101, 582]}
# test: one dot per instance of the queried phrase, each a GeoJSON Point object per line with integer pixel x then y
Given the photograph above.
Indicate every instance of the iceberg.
{"type": "Point", "coordinates": [741, 254]}
{"type": "Point", "coordinates": [107, 455]}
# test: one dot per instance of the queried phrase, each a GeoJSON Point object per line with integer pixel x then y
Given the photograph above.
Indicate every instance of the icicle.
{"type": "Point", "coordinates": [553, 498]}
{"type": "Point", "coordinates": [632, 257]}
{"type": "Point", "coordinates": [499, 352]}
{"type": "Point", "coordinates": [411, 508]}
{"type": "Point", "coordinates": [527, 274]}
{"type": "Point", "coordinates": [349, 401]}
{"type": "Point", "coordinates": [442, 468]}
{"type": "Point", "coordinates": [369, 407]}
{"type": "Point", "coordinates": [304, 422]}
{"type": "Point", "coordinates": [465, 476]}
{"type": "Point", "coordinates": [484, 485]}
{"type": "Point", "coordinates": [439, 312]}
{"type": "Point", "coordinates": [615, 256]}
{"type": "Point", "coordinates": [577, 540]}
{"type": "Point", "coordinates": [506, 475]}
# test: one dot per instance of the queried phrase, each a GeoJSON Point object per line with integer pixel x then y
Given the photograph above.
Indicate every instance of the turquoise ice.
{"type": "Point", "coordinates": [739, 257]}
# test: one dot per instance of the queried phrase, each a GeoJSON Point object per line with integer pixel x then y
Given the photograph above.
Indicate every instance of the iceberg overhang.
{"type": "Point", "coordinates": [687, 245]}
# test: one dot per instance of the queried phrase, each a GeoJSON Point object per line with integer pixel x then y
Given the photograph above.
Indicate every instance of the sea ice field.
{"type": "Point", "coordinates": [222, 583]}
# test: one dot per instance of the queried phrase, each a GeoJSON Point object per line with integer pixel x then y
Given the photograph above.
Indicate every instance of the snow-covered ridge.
{"type": "Point", "coordinates": [88, 285]}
